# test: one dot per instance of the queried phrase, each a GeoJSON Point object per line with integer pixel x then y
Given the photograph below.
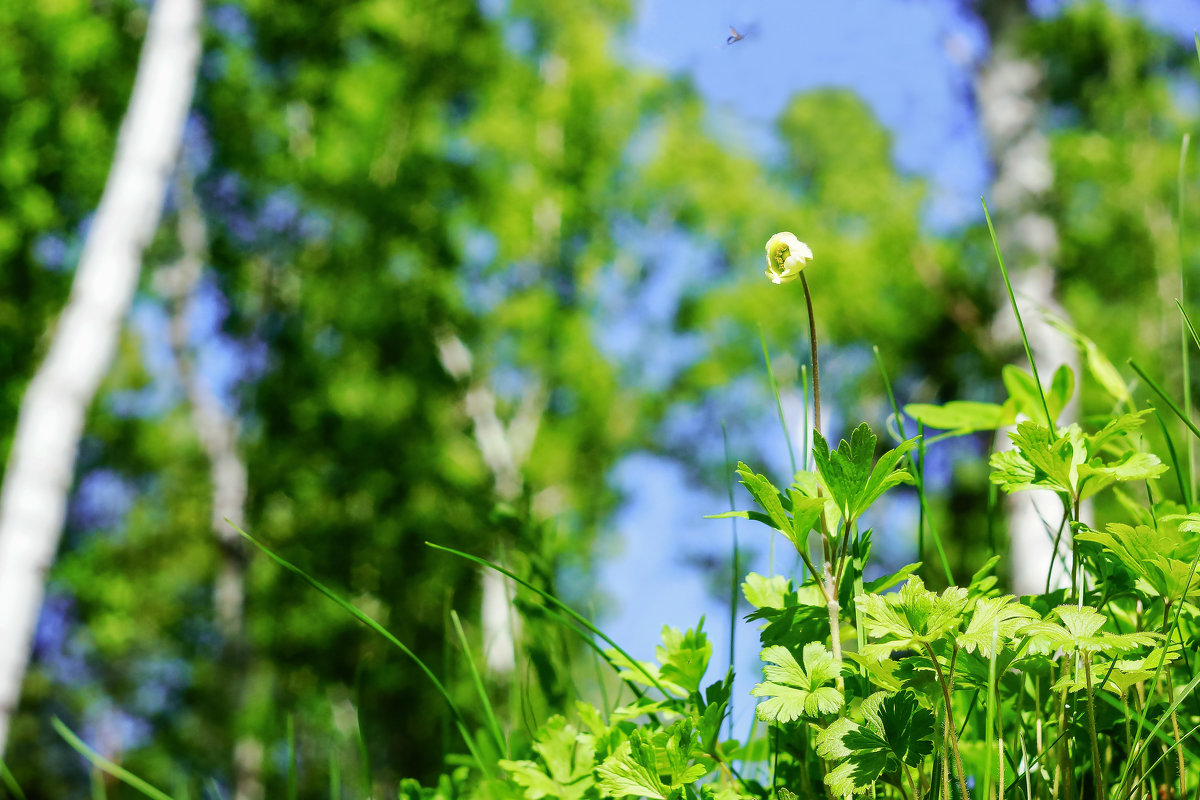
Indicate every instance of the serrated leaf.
{"type": "Point", "coordinates": [684, 656]}
{"type": "Point", "coordinates": [895, 729]}
{"type": "Point", "coordinates": [912, 617]}
{"type": "Point", "coordinates": [1096, 475]}
{"type": "Point", "coordinates": [1116, 428]}
{"type": "Point", "coordinates": [568, 758]}
{"type": "Point", "coordinates": [1081, 630]}
{"type": "Point", "coordinates": [632, 770]}
{"type": "Point", "coordinates": [1160, 558]}
{"type": "Point", "coordinates": [1023, 390]}
{"type": "Point", "coordinates": [845, 471]}
{"type": "Point", "coordinates": [794, 690]}
{"type": "Point", "coordinates": [998, 619]}
{"type": "Point", "coordinates": [853, 481]}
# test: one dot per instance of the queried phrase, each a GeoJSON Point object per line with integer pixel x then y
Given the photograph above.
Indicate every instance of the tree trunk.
{"type": "Point", "coordinates": [217, 431]}
{"type": "Point", "coordinates": [41, 464]}
{"type": "Point", "coordinates": [1006, 92]}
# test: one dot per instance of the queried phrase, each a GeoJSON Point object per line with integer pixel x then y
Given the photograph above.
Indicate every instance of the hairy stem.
{"type": "Point", "coordinates": [951, 729]}
{"type": "Point", "coordinates": [1097, 770]}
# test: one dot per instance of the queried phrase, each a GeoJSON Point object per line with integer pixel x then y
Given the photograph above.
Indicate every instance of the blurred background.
{"type": "Point", "coordinates": [490, 274]}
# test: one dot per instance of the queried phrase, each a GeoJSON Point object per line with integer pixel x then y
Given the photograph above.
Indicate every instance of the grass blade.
{"type": "Point", "coordinates": [10, 782]}
{"type": "Point", "coordinates": [104, 765]}
{"type": "Point", "coordinates": [1158, 670]}
{"type": "Point", "coordinates": [1183, 345]}
{"type": "Point", "coordinates": [1017, 313]}
{"type": "Point", "coordinates": [484, 700]}
{"type": "Point", "coordinates": [572, 613]}
{"type": "Point", "coordinates": [1183, 492]}
{"type": "Point", "coordinates": [778, 403]}
{"type": "Point", "coordinates": [1170, 403]}
{"type": "Point", "coordinates": [926, 520]}
{"type": "Point", "coordinates": [733, 588]}
{"type": "Point", "coordinates": [460, 721]}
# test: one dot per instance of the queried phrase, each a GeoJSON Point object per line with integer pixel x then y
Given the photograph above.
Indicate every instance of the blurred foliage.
{"type": "Point", "coordinates": [379, 174]}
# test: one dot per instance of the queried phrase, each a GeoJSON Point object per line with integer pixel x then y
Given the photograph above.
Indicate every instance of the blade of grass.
{"type": "Point", "coordinates": [104, 765]}
{"type": "Point", "coordinates": [335, 778]}
{"type": "Point", "coordinates": [1167, 751]}
{"type": "Point", "coordinates": [1183, 345]}
{"type": "Point", "coordinates": [1158, 670]}
{"type": "Point", "coordinates": [1139, 745]}
{"type": "Point", "coordinates": [1036, 761]}
{"type": "Point", "coordinates": [1017, 313]}
{"type": "Point", "coordinates": [1183, 492]}
{"type": "Point", "coordinates": [575, 615]}
{"type": "Point", "coordinates": [1170, 403]}
{"type": "Point", "coordinates": [484, 700]}
{"type": "Point", "coordinates": [10, 782]}
{"type": "Point", "coordinates": [97, 781]}
{"type": "Point", "coordinates": [778, 403]}
{"type": "Point", "coordinates": [460, 721]}
{"type": "Point", "coordinates": [918, 477]}
{"type": "Point", "coordinates": [733, 588]}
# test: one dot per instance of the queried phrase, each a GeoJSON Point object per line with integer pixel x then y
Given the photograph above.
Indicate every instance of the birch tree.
{"type": "Point", "coordinates": [1006, 91]}
{"type": "Point", "coordinates": [40, 465]}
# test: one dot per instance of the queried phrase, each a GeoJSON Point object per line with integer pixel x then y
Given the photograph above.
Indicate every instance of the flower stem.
{"type": "Point", "coordinates": [831, 591]}
{"type": "Point", "coordinates": [1091, 708]}
{"type": "Point", "coordinates": [812, 339]}
{"type": "Point", "coordinates": [951, 730]}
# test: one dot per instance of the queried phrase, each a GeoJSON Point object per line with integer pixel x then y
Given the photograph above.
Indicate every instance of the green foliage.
{"type": "Point", "coordinates": [567, 759]}
{"type": "Point", "coordinates": [848, 473]}
{"type": "Point", "coordinates": [796, 690]}
{"type": "Point", "coordinates": [894, 730]}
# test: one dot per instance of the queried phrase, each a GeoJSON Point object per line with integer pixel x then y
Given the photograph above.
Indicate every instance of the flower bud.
{"type": "Point", "coordinates": [786, 257]}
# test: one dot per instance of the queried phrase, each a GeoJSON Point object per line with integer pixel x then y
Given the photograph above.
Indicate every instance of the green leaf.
{"type": "Point", "coordinates": [885, 582]}
{"type": "Point", "coordinates": [1098, 364]}
{"type": "Point", "coordinates": [793, 516]}
{"type": "Point", "coordinates": [910, 618]}
{"type": "Point", "coordinates": [1160, 558]}
{"type": "Point", "coordinates": [895, 729]}
{"type": "Point", "coordinates": [963, 416]}
{"type": "Point", "coordinates": [1081, 631]}
{"type": "Point", "coordinates": [632, 770]}
{"type": "Point", "coordinates": [902, 723]}
{"type": "Point", "coordinates": [568, 759]}
{"type": "Point", "coordinates": [1023, 390]}
{"type": "Point", "coordinates": [853, 483]}
{"type": "Point", "coordinates": [640, 765]}
{"type": "Point", "coordinates": [684, 656]}
{"type": "Point", "coordinates": [1115, 428]}
{"type": "Point", "coordinates": [1096, 475]}
{"type": "Point", "coordinates": [983, 582]}
{"type": "Point", "coordinates": [797, 691]}
{"type": "Point", "coordinates": [763, 592]}
{"type": "Point", "coordinates": [846, 470]}
{"type": "Point", "coordinates": [994, 623]}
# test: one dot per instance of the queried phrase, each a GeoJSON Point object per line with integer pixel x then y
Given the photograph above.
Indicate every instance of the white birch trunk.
{"type": "Point", "coordinates": [1006, 93]}
{"type": "Point", "coordinates": [41, 464]}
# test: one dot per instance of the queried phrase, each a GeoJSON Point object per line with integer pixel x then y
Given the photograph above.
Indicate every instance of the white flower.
{"type": "Point", "coordinates": [786, 257]}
